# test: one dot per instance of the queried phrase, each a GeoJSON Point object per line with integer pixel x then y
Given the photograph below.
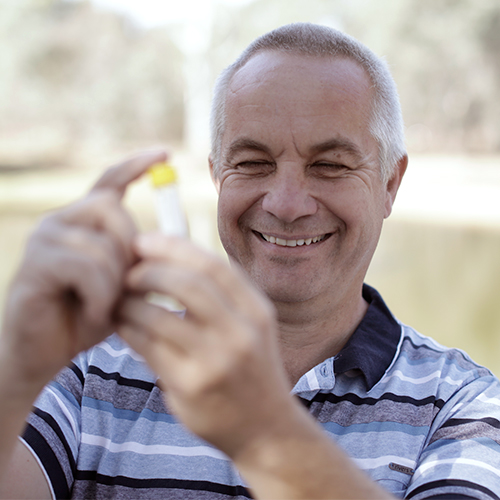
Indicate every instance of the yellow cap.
{"type": "Point", "coordinates": [162, 174]}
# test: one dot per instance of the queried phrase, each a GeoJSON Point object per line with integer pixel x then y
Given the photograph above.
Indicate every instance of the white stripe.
{"type": "Point", "coordinates": [312, 380]}
{"type": "Point", "coordinates": [490, 401]}
{"type": "Point", "coordinates": [65, 411]}
{"type": "Point", "coordinates": [422, 380]}
{"type": "Point", "coordinates": [372, 463]}
{"type": "Point", "coordinates": [116, 353]}
{"type": "Point", "coordinates": [152, 449]}
{"type": "Point", "coordinates": [452, 461]}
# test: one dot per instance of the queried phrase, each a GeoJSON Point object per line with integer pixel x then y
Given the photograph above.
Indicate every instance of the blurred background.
{"type": "Point", "coordinates": [84, 83]}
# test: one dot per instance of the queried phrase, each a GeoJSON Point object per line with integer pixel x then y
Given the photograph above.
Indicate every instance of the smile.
{"type": "Point", "coordinates": [293, 243]}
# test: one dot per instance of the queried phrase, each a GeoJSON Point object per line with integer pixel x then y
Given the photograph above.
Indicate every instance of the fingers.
{"type": "Point", "coordinates": [102, 209]}
{"type": "Point", "coordinates": [200, 296]}
{"type": "Point", "coordinates": [64, 296]}
{"type": "Point", "coordinates": [161, 357]}
{"type": "Point", "coordinates": [89, 243]}
{"type": "Point", "coordinates": [103, 213]}
{"type": "Point", "coordinates": [164, 339]}
{"type": "Point", "coordinates": [118, 177]}
{"type": "Point", "coordinates": [80, 261]}
{"type": "Point", "coordinates": [155, 321]}
{"type": "Point", "coordinates": [190, 273]}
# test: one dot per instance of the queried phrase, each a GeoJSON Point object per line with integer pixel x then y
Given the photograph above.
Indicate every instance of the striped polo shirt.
{"type": "Point", "coordinates": [420, 419]}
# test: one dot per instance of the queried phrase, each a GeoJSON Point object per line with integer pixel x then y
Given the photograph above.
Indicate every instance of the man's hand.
{"type": "Point", "coordinates": [220, 365]}
{"type": "Point", "coordinates": [61, 302]}
{"type": "Point", "coordinates": [62, 298]}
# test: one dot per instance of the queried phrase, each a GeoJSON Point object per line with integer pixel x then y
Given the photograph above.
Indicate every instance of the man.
{"type": "Point", "coordinates": [286, 369]}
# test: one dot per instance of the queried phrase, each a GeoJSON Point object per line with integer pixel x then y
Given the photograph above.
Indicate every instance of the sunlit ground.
{"type": "Point", "coordinates": [437, 264]}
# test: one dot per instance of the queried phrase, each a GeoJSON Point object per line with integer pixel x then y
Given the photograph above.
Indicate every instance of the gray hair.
{"type": "Point", "coordinates": [386, 122]}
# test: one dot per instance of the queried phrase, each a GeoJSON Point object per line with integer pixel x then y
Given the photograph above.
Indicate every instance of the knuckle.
{"type": "Point", "coordinates": [143, 275]}
{"type": "Point", "coordinates": [245, 349]}
{"type": "Point", "coordinates": [103, 200]}
{"type": "Point", "coordinates": [89, 267]}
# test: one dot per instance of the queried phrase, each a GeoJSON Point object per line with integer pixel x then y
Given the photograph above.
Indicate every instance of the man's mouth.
{"type": "Point", "coordinates": [293, 243]}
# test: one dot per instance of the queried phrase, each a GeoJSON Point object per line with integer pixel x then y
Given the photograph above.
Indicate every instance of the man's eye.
{"type": "Point", "coordinates": [329, 167]}
{"type": "Point", "coordinates": [254, 165]}
{"type": "Point", "coordinates": [328, 164]}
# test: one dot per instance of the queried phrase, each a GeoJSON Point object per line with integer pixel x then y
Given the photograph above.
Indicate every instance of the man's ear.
{"type": "Point", "coordinates": [394, 183]}
{"type": "Point", "coordinates": [215, 180]}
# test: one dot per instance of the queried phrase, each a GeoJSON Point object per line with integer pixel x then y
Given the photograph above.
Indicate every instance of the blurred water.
{"type": "Point", "coordinates": [444, 280]}
{"type": "Point", "coordinates": [438, 260]}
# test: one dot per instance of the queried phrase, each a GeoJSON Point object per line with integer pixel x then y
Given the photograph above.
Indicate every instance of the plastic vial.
{"type": "Point", "coordinates": [171, 217]}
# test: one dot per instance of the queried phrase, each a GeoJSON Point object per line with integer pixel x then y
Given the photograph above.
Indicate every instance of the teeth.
{"type": "Point", "coordinates": [292, 243]}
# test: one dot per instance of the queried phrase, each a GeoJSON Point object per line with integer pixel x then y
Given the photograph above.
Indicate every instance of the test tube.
{"type": "Point", "coordinates": [171, 217]}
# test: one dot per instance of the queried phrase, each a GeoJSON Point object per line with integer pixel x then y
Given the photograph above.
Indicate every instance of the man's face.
{"type": "Point", "coordinates": [301, 199]}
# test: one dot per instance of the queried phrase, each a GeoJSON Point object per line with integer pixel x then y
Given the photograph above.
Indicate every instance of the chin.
{"type": "Point", "coordinates": [288, 298]}
{"type": "Point", "coordinates": [292, 289]}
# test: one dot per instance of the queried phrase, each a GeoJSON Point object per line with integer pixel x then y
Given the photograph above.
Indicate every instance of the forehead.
{"type": "Point", "coordinates": [275, 84]}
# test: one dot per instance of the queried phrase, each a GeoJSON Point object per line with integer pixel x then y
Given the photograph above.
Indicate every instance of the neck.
{"type": "Point", "coordinates": [310, 332]}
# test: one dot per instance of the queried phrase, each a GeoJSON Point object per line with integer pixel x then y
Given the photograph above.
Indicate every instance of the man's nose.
{"type": "Point", "coordinates": [288, 197]}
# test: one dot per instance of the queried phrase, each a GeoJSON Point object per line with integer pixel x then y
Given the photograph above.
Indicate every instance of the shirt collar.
{"type": "Point", "coordinates": [372, 346]}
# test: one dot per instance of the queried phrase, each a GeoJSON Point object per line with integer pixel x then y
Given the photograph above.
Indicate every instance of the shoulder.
{"type": "Point", "coordinates": [423, 354]}
{"type": "Point", "coordinates": [426, 369]}
{"type": "Point", "coordinates": [461, 448]}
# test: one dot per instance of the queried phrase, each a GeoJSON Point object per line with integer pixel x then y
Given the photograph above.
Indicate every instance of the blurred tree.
{"type": "Point", "coordinates": [444, 55]}
{"type": "Point", "coordinates": [77, 81]}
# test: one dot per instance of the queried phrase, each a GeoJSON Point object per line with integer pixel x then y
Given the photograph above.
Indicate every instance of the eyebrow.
{"type": "Point", "coordinates": [337, 143]}
{"type": "Point", "coordinates": [245, 144]}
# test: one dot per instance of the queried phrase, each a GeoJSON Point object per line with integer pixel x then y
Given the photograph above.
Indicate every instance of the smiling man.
{"type": "Point", "coordinates": [301, 195]}
{"type": "Point", "coordinates": [288, 377]}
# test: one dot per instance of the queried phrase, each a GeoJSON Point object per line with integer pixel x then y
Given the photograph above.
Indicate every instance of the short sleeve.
{"type": "Point", "coordinates": [54, 426]}
{"type": "Point", "coordinates": [461, 458]}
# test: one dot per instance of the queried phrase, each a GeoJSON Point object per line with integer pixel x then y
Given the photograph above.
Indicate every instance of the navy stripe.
{"type": "Point", "coordinates": [418, 347]}
{"type": "Point", "coordinates": [450, 483]}
{"type": "Point", "coordinates": [305, 402]}
{"type": "Point", "coordinates": [451, 496]}
{"type": "Point", "coordinates": [77, 372]}
{"type": "Point", "coordinates": [52, 423]}
{"type": "Point", "coordinates": [128, 382]}
{"type": "Point", "coordinates": [452, 422]}
{"type": "Point", "coordinates": [389, 396]}
{"type": "Point", "coordinates": [49, 461]}
{"type": "Point", "coordinates": [180, 484]}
